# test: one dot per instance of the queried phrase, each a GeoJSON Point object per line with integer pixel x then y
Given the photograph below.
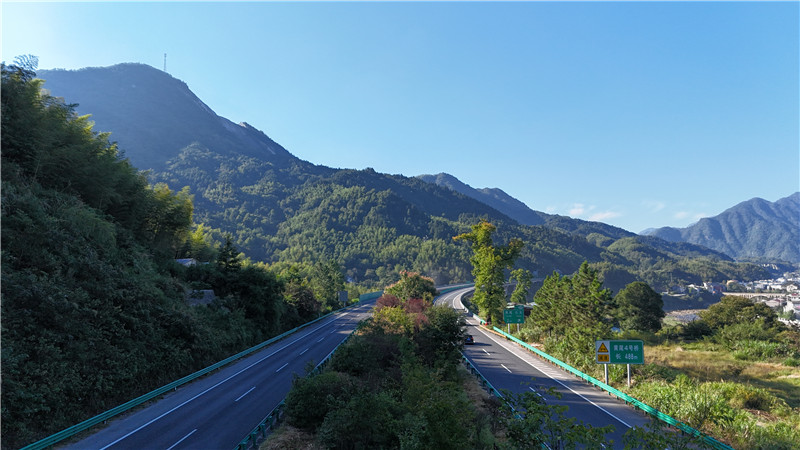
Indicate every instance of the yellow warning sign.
{"type": "Point", "coordinates": [602, 348]}
{"type": "Point", "coordinates": [602, 358]}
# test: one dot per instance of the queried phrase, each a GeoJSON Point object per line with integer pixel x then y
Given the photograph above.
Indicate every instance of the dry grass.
{"type": "Point", "coordinates": [290, 438]}
{"type": "Point", "coordinates": [719, 365]}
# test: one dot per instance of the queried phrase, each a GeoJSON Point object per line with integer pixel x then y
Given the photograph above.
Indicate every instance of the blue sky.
{"type": "Point", "coordinates": [637, 114]}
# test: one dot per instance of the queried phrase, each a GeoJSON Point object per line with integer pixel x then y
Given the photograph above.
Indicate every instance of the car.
{"type": "Point", "coordinates": [468, 339]}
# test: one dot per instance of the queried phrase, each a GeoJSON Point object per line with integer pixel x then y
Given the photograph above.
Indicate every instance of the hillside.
{"type": "Point", "coordinates": [280, 208]}
{"type": "Point", "coordinates": [499, 200]}
{"type": "Point", "coordinates": [755, 229]}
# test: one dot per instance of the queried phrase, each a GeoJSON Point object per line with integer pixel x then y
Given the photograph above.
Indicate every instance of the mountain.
{"type": "Point", "coordinates": [752, 230]}
{"type": "Point", "coordinates": [156, 114]}
{"type": "Point", "coordinates": [278, 208]}
{"type": "Point", "coordinates": [493, 197]}
{"type": "Point", "coordinates": [499, 200]}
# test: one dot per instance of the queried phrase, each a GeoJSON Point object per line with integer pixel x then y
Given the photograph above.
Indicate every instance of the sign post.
{"type": "Point", "coordinates": [619, 352]}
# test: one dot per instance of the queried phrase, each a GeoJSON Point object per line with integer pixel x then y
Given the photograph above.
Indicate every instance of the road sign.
{"type": "Point", "coordinates": [515, 314]}
{"type": "Point", "coordinates": [619, 352]}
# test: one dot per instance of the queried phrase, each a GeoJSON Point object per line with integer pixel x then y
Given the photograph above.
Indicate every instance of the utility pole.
{"type": "Point", "coordinates": [165, 62]}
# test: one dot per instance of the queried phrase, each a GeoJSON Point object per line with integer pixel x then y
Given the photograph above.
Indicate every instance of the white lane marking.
{"type": "Point", "coordinates": [484, 351]}
{"type": "Point", "coordinates": [504, 367]}
{"type": "Point", "coordinates": [248, 391]}
{"type": "Point", "coordinates": [281, 368]}
{"type": "Point", "coordinates": [182, 439]}
{"type": "Point", "coordinates": [214, 386]}
{"type": "Point", "coordinates": [304, 350]}
{"type": "Point", "coordinates": [320, 339]}
{"type": "Point", "coordinates": [559, 382]}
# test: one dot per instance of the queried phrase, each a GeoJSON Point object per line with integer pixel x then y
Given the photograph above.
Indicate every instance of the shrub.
{"type": "Point", "coordinates": [310, 399]}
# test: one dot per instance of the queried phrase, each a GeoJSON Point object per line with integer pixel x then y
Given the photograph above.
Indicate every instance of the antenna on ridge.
{"type": "Point", "coordinates": [165, 62]}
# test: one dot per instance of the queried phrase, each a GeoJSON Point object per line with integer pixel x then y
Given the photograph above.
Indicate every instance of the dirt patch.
{"type": "Point", "coordinates": [684, 315]}
{"type": "Point", "coordinates": [290, 438]}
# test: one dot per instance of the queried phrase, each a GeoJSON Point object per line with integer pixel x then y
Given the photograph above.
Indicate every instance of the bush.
{"type": "Point", "coordinates": [791, 362]}
{"type": "Point", "coordinates": [312, 398]}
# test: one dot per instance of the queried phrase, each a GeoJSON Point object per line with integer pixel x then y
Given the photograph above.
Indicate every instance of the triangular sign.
{"type": "Point", "coordinates": [602, 348]}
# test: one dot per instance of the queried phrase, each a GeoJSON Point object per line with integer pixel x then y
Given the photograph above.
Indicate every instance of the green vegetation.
{"type": "Point", "coordinates": [732, 373]}
{"type": "Point", "coordinates": [570, 314]}
{"type": "Point", "coordinates": [639, 307]}
{"type": "Point", "coordinates": [94, 306]}
{"type": "Point", "coordinates": [397, 383]}
{"type": "Point", "coordinates": [488, 265]}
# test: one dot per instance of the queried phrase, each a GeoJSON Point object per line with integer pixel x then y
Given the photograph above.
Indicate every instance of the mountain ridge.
{"type": "Point", "coordinates": [753, 229]}
{"type": "Point", "coordinates": [279, 208]}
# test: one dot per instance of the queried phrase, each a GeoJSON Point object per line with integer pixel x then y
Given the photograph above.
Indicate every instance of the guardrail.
{"type": "Point", "coordinates": [104, 416]}
{"type": "Point", "coordinates": [275, 417]}
{"type": "Point", "coordinates": [621, 395]}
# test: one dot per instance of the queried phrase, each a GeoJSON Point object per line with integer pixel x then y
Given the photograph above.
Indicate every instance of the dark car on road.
{"type": "Point", "coordinates": [468, 339]}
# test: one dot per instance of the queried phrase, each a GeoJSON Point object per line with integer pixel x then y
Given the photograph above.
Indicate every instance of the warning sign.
{"type": "Point", "coordinates": [619, 352]}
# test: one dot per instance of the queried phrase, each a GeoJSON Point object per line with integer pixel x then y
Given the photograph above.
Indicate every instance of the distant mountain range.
{"type": "Point", "coordinates": [752, 230]}
{"type": "Point", "coordinates": [280, 208]}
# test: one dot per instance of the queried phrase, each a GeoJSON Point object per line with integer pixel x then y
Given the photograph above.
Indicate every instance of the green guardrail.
{"type": "Point", "coordinates": [275, 417]}
{"type": "Point", "coordinates": [104, 416]}
{"type": "Point", "coordinates": [621, 395]}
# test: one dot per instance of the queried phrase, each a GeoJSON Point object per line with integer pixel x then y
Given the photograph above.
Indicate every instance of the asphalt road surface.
{"type": "Point", "coordinates": [220, 409]}
{"type": "Point", "coordinates": [509, 366]}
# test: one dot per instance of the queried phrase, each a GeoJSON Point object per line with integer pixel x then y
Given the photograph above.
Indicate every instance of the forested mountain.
{"type": "Point", "coordinates": [93, 307]}
{"type": "Point", "coordinates": [280, 208]}
{"type": "Point", "coordinates": [756, 229]}
{"type": "Point", "coordinates": [499, 200]}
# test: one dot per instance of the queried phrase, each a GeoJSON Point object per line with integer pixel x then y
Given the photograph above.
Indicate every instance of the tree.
{"type": "Point", "coordinates": [488, 263]}
{"type": "Point", "coordinates": [412, 285]}
{"type": "Point", "coordinates": [327, 279]}
{"type": "Point", "coordinates": [228, 258]}
{"type": "Point", "coordinates": [639, 307]}
{"type": "Point", "coordinates": [523, 279]}
{"type": "Point", "coordinates": [571, 313]}
{"type": "Point", "coordinates": [733, 310]}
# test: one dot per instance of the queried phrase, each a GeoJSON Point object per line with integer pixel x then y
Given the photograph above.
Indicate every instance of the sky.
{"type": "Point", "coordinates": [636, 114]}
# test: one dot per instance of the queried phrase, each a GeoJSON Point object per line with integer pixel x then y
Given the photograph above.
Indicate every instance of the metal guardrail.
{"type": "Point", "coordinates": [621, 395]}
{"type": "Point", "coordinates": [275, 417]}
{"type": "Point", "coordinates": [104, 416]}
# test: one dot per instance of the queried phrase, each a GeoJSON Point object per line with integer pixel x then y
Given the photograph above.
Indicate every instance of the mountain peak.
{"type": "Point", "coordinates": [755, 228]}
{"type": "Point", "coordinates": [155, 115]}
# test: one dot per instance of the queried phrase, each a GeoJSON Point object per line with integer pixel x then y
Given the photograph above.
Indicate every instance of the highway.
{"type": "Point", "coordinates": [219, 410]}
{"type": "Point", "coordinates": [508, 366]}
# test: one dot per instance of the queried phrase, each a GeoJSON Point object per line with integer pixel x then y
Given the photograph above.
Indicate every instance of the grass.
{"type": "Point", "coordinates": [714, 364]}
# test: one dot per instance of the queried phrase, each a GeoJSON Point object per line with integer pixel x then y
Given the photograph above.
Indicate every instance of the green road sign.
{"type": "Point", "coordinates": [619, 352]}
{"type": "Point", "coordinates": [515, 314]}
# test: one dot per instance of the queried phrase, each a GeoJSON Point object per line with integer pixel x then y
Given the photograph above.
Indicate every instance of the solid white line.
{"type": "Point", "coordinates": [304, 350]}
{"type": "Point", "coordinates": [504, 367]}
{"type": "Point", "coordinates": [282, 367]}
{"type": "Point", "coordinates": [559, 382]}
{"type": "Point", "coordinates": [182, 439]}
{"type": "Point", "coordinates": [249, 391]}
